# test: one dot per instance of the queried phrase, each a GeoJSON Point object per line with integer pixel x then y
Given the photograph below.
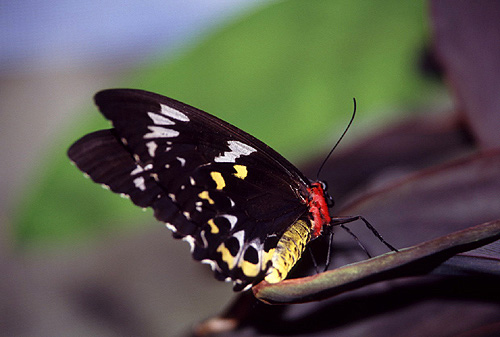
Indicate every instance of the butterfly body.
{"type": "Point", "coordinates": [243, 208]}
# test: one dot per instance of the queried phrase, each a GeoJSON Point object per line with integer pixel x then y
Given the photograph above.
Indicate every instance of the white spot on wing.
{"type": "Point", "coordinates": [256, 244]}
{"type": "Point", "coordinates": [171, 112]}
{"type": "Point", "coordinates": [189, 239]}
{"type": "Point", "coordinates": [204, 239]}
{"type": "Point", "coordinates": [240, 235]}
{"type": "Point", "coordinates": [231, 218]}
{"type": "Point", "coordinates": [138, 169]}
{"type": "Point", "coordinates": [171, 227]}
{"type": "Point", "coordinates": [211, 263]}
{"type": "Point", "coordinates": [248, 286]}
{"type": "Point", "coordinates": [160, 132]}
{"type": "Point", "coordinates": [237, 282]}
{"type": "Point", "coordinates": [237, 149]}
{"type": "Point", "coordinates": [152, 146]}
{"type": "Point", "coordinates": [171, 196]}
{"type": "Point", "coordinates": [148, 167]}
{"type": "Point", "coordinates": [140, 183]}
{"type": "Point", "coordinates": [159, 119]}
{"type": "Point", "coordinates": [187, 215]}
{"type": "Point", "coordinates": [181, 160]}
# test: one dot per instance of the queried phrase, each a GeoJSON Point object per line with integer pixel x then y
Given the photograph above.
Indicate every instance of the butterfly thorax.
{"type": "Point", "coordinates": [318, 207]}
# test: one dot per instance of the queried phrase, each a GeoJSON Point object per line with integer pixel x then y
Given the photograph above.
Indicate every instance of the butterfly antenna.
{"type": "Point", "coordinates": [338, 141]}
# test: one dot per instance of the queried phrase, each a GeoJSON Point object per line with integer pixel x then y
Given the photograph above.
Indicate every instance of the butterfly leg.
{"type": "Point", "coordinates": [313, 259]}
{"type": "Point", "coordinates": [340, 221]}
{"type": "Point", "coordinates": [330, 243]}
{"type": "Point", "coordinates": [328, 254]}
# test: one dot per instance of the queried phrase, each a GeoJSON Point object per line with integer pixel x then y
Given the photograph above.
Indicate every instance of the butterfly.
{"type": "Point", "coordinates": [243, 208]}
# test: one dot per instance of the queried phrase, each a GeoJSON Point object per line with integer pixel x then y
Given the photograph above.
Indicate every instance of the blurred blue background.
{"type": "Point", "coordinates": [56, 35]}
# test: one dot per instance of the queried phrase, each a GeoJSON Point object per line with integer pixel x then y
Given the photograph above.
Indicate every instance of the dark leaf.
{"type": "Point", "coordinates": [433, 202]}
{"type": "Point", "coordinates": [466, 39]}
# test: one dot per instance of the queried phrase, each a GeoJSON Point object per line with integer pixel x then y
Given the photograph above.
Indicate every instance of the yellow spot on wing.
{"type": "Point", "coordinates": [241, 171]}
{"type": "Point", "coordinates": [204, 195]}
{"type": "Point", "coordinates": [217, 177]}
{"type": "Point", "coordinates": [226, 256]}
{"type": "Point", "coordinates": [249, 269]}
{"type": "Point", "coordinates": [213, 228]}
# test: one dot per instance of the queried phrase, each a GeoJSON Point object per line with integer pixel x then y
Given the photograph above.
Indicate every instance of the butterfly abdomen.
{"type": "Point", "coordinates": [289, 250]}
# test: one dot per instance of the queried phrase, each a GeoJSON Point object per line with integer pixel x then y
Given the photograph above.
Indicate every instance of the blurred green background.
{"type": "Point", "coordinates": [285, 72]}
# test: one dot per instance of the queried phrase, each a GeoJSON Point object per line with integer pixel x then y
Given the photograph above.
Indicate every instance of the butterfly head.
{"type": "Point", "coordinates": [328, 198]}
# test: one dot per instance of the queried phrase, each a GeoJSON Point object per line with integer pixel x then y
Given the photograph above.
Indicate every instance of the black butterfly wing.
{"type": "Point", "coordinates": [222, 190]}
